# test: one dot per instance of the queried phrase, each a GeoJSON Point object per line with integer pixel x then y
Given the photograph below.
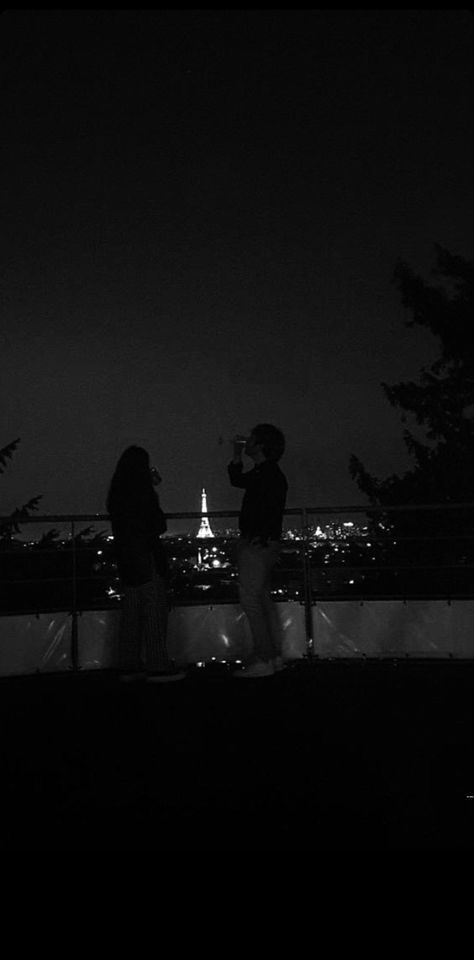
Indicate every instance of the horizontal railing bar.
{"type": "Point", "coordinates": [295, 544]}
{"type": "Point", "coordinates": [394, 566]}
{"type": "Point", "coordinates": [197, 514]}
{"type": "Point", "coordinates": [212, 602]}
{"type": "Point", "coordinates": [392, 509]}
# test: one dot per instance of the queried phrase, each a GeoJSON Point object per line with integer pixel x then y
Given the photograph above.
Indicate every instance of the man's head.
{"type": "Point", "coordinates": [265, 442]}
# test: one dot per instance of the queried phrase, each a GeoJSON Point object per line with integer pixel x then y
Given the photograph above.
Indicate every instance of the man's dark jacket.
{"type": "Point", "coordinates": [266, 487]}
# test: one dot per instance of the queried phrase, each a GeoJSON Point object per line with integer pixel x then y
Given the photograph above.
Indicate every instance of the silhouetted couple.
{"type": "Point", "coordinates": [137, 524]}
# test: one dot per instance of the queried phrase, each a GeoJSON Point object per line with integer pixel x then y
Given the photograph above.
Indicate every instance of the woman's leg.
{"type": "Point", "coordinates": [129, 630]}
{"type": "Point", "coordinates": [155, 623]}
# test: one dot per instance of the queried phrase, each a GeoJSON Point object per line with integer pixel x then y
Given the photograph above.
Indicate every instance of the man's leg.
{"type": "Point", "coordinates": [270, 608]}
{"type": "Point", "coordinates": [253, 574]}
{"type": "Point", "coordinates": [274, 624]}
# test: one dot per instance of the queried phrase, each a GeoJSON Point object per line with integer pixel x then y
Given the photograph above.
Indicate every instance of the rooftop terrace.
{"type": "Point", "coordinates": [355, 756]}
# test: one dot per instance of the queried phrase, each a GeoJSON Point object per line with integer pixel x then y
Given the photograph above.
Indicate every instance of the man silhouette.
{"type": "Point", "coordinates": [260, 525]}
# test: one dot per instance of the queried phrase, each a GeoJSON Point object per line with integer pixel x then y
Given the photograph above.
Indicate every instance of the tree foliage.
{"type": "Point", "coordinates": [431, 551]}
{"type": "Point", "coordinates": [8, 528]}
{"type": "Point", "coordinates": [6, 453]}
{"type": "Point", "coordinates": [442, 401]}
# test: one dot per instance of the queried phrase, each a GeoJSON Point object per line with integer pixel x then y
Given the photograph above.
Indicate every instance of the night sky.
{"type": "Point", "coordinates": [202, 211]}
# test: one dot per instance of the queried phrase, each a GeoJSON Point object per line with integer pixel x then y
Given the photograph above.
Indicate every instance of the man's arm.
{"type": "Point", "coordinates": [235, 467]}
{"type": "Point", "coordinates": [236, 475]}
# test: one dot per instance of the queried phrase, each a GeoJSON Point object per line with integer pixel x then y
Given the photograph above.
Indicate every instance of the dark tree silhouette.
{"type": "Point", "coordinates": [442, 404]}
{"type": "Point", "coordinates": [7, 452]}
{"type": "Point", "coordinates": [7, 529]}
{"type": "Point", "coordinates": [443, 400]}
{"type": "Point", "coordinates": [38, 576]}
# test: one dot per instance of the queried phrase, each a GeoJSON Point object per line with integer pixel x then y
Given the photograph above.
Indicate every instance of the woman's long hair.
{"type": "Point", "coordinates": [131, 486]}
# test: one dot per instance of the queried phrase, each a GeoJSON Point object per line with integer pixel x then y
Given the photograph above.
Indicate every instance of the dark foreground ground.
{"type": "Point", "coordinates": [328, 756]}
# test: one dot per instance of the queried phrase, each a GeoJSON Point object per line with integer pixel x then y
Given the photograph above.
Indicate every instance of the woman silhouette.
{"type": "Point", "coordinates": [137, 524]}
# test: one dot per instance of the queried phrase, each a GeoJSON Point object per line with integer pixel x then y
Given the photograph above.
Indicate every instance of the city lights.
{"type": "Point", "coordinates": [336, 558]}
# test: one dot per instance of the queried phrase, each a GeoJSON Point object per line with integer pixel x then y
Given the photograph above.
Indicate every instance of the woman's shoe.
{"type": "Point", "coordinates": [165, 676]}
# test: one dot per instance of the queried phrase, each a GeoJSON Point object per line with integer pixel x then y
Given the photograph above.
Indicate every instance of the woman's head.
{"type": "Point", "coordinates": [131, 481]}
{"type": "Point", "coordinates": [134, 461]}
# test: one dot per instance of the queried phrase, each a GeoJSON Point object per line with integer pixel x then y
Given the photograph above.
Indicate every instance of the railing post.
{"type": "Point", "coordinates": [74, 624]}
{"type": "Point", "coordinates": [308, 606]}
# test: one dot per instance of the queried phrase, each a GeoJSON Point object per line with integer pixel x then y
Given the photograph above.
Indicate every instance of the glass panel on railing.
{"type": "Point", "coordinates": [46, 567]}
{"type": "Point", "coordinates": [338, 551]}
{"type": "Point", "coordinates": [33, 574]}
{"type": "Point", "coordinates": [388, 553]}
{"type": "Point", "coordinates": [97, 579]}
{"type": "Point", "coordinates": [288, 575]}
{"type": "Point", "coordinates": [325, 552]}
{"type": "Point", "coordinates": [201, 558]}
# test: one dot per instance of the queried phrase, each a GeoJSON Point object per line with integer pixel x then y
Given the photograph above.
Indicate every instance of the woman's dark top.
{"type": "Point", "coordinates": [138, 549]}
{"type": "Point", "coordinates": [266, 487]}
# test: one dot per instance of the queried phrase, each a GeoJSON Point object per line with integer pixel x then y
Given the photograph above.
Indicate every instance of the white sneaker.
{"type": "Point", "coordinates": [255, 670]}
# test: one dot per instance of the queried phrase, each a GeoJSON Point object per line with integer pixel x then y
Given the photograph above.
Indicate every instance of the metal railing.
{"type": "Point", "coordinates": [443, 535]}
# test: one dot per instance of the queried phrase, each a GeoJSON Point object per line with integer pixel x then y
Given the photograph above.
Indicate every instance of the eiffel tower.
{"type": "Point", "coordinates": [205, 528]}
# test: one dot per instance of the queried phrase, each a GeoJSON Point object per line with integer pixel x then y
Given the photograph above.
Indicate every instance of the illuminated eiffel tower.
{"type": "Point", "coordinates": [205, 528]}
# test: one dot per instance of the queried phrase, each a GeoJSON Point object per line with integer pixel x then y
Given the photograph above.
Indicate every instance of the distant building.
{"type": "Point", "coordinates": [205, 528]}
